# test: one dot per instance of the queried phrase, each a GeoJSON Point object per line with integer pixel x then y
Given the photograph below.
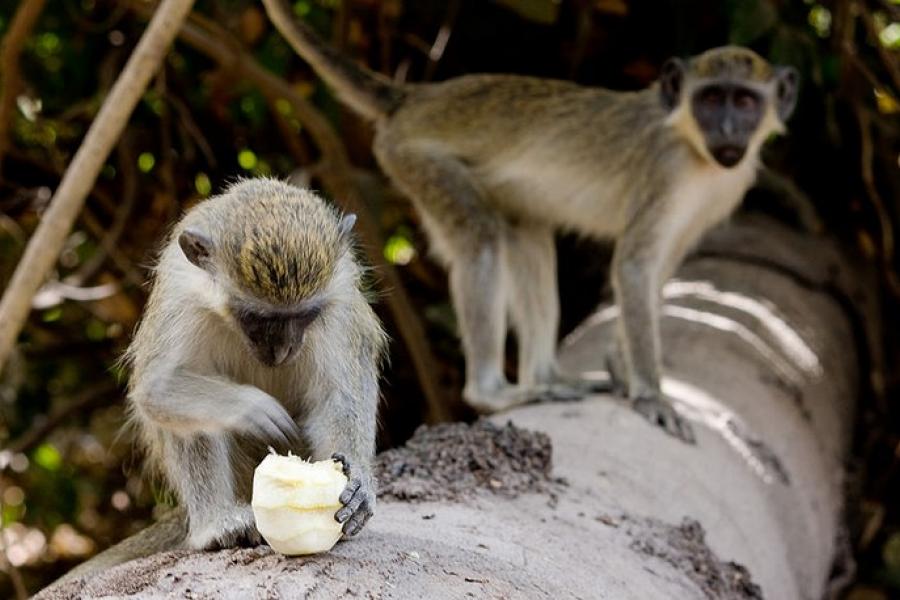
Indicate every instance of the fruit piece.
{"type": "Point", "coordinates": [294, 502]}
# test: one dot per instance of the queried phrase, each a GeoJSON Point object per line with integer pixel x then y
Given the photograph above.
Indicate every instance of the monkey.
{"type": "Point", "coordinates": [496, 164]}
{"type": "Point", "coordinates": [257, 334]}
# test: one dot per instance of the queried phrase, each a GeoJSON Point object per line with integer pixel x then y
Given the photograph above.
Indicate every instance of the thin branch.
{"type": "Point", "coordinates": [884, 219]}
{"type": "Point", "coordinates": [888, 59]}
{"type": "Point", "coordinates": [337, 179]}
{"type": "Point", "coordinates": [49, 238]}
{"type": "Point", "coordinates": [87, 399]}
{"type": "Point", "coordinates": [93, 225]}
{"type": "Point", "coordinates": [13, 42]}
{"type": "Point", "coordinates": [125, 155]}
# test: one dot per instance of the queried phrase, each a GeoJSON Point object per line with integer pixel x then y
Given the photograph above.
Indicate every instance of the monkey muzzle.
{"type": "Point", "coordinates": [274, 337]}
{"type": "Point", "coordinates": [274, 355]}
{"type": "Point", "coordinates": [728, 155]}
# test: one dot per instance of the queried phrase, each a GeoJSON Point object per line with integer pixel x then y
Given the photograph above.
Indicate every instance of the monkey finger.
{"type": "Point", "coordinates": [345, 464]}
{"type": "Point", "coordinates": [357, 521]}
{"type": "Point", "coordinates": [262, 426]}
{"type": "Point", "coordinates": [350, 492]}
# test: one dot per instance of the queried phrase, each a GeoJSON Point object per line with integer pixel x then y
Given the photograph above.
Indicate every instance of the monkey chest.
{"type": "Point", "coordinates": [700, 202]}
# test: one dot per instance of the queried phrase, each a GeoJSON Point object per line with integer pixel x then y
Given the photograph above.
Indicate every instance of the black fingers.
{"type": "Point", "coordinates": [348, 493]}
{"type": "Point", "coordinates": [359, 504]}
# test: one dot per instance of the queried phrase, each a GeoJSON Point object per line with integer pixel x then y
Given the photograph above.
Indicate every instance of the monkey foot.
{"type": "Point", "coordinates": [575, 388]}
{"type": "Point", "coordinates": [236, 527]}
{"type": "Point", "coordinates": [661, 413]}
{"type": "Point", "coordinates": [489, 403]}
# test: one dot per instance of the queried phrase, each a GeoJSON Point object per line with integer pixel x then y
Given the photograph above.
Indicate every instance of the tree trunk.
{"type": "Point", "coordinates": [763, 352]}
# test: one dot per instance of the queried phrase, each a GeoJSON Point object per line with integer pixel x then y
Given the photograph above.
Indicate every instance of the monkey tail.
{"type": "Point", "coordinates": [168, 533]}
{"type": "Point", "coordinates": [365, 92]}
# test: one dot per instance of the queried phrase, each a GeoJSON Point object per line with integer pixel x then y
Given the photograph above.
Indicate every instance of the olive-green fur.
{"type": "Point", "coordinates": [279, 243]}
{"type": "Point", "coordinates": [731, 62]}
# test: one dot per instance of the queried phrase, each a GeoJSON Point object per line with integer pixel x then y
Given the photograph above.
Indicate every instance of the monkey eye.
{"type": "Point", "coordinates": [745, 100]}
{"type": "Point", "coordinates": [712, 96]}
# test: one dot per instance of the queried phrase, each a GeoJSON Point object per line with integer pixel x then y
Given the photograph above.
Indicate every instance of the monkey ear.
{"type": "Point", "coordinates": [671, 79]}
{"type": "Point", "coordinates": [197, 247]}
{"type": "Point", "coordinates": [346, 225]}
{"type": "Point", "coordinates": [787, 80]}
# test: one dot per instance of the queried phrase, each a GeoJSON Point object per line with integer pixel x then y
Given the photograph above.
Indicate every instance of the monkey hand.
{"type": "Point", "coordinates": [234, 526]}
{"type": "Point", "coordinates": [358, 498]}
{"type": "Point", "coordinates": [265, 418]}
{"type": "Point", "coordinates": [662, 413]}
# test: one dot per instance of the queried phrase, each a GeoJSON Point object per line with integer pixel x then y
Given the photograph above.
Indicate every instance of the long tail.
{"type": "Point", "coordinates": [365, 92]}
{"type": "Point", "coordinates": [169, 533]}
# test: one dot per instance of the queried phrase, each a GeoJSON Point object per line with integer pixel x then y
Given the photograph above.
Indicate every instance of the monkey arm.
{"type": "Point", "coordinates": [342, 424]}
{"type": "Point", "coordinates": [638, 270]}
{"type": "Point", "coordinates": [184, 402]}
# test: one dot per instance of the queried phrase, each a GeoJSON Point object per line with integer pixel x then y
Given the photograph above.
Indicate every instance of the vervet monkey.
{"type": "Point", "coordinates": [256, 334]}
{"type": "Point", "coordinates": [496, 163]}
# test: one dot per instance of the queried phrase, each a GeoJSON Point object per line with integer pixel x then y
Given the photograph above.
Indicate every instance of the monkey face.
{"type": "Point", "coordinates": [274, 336]}
{"type": "Point", "coordinates": [728, 114]}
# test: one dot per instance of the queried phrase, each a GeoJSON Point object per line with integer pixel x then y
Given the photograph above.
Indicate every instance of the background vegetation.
{"type": "Point", "coordinates": [70, 483]}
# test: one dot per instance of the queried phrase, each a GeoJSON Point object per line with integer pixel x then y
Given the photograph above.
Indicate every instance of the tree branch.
{"type": "Point", "coordinates": [13, 41]}
{"type": "Point", "coordinates": [49, 238]}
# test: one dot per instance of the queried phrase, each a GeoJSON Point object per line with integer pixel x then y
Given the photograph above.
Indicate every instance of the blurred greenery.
{"type": "Point", "coordinates": [70, 483]}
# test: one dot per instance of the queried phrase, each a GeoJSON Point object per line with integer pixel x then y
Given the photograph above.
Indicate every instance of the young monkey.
{"type": "Point", "coordinates": [496, 163]}
{"type": "Point", "coordinates": [256, 334]}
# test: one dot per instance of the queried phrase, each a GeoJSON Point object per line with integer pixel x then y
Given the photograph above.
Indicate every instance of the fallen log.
{"type": "Point", "coordinates": [765, 352]}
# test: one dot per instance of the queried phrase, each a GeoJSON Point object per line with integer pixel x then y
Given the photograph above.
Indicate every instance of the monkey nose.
{"type": "Point", "coordinates": [281, 354]}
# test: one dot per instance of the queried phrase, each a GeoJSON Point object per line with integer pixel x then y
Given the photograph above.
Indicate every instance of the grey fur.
{"type": "Point", "coordinates": [206, 409]}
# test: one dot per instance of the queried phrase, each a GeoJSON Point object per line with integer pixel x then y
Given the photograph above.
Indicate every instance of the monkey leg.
{"type": "Point", "coordinates": [199, 469]}
{"type": "Point", "coordinates": [466, 232]}
{"type": "Point", "coordinates": [636, 273]}
{"type": "Point", "coordinates": [534, 311]}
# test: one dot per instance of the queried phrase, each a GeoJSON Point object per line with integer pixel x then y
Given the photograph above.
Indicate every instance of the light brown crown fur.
{"type": "Point", "coordinates": [731, 62]}
{"type": "Point", "coordinates": [278, 242]}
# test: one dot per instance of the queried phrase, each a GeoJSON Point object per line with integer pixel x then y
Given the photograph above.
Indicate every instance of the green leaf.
{"type": "Point", "coordinates": [750, 20]}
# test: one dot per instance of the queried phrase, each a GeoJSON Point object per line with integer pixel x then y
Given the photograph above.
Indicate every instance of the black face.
{"type": "Point", "coordinates": [274, 336]}
{"type": "Point", "coordinates": [728, 115]}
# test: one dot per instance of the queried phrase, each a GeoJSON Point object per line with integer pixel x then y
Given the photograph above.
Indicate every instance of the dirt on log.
{"type": "Point", "coordinates": [765, 337]}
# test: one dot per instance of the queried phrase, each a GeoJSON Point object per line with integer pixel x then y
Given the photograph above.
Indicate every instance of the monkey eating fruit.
{"type": "Point", "coordinates": [256, 335]}
{"type": "Point", "coordinates": [495, 164]}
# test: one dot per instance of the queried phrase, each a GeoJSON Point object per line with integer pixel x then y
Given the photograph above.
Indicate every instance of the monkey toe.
{"type": "Point", "coordinates": [662, 414]}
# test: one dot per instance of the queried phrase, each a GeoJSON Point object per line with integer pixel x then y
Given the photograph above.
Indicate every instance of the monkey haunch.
{"type": "Point", "coordinates": [495, 164]}
{"type": "Point", "coordinates": [256, 334]}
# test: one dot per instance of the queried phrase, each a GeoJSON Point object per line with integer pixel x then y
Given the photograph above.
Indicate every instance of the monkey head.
{"type": "Point", "coordinates": [727, 101]}
{"type": "Point", "coordinates": [272, 251]}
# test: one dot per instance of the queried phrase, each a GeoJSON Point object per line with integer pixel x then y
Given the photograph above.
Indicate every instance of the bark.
{"type": "Point", "coordinates": [762, 344]}
{"type": "Point", "coordinates": [48, 240]}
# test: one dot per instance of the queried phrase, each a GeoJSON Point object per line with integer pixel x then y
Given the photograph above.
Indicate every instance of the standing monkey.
{"type": "Point", "coordinates": [495, 164]}
{"type": "Point", "coordinates": [256, 334]}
